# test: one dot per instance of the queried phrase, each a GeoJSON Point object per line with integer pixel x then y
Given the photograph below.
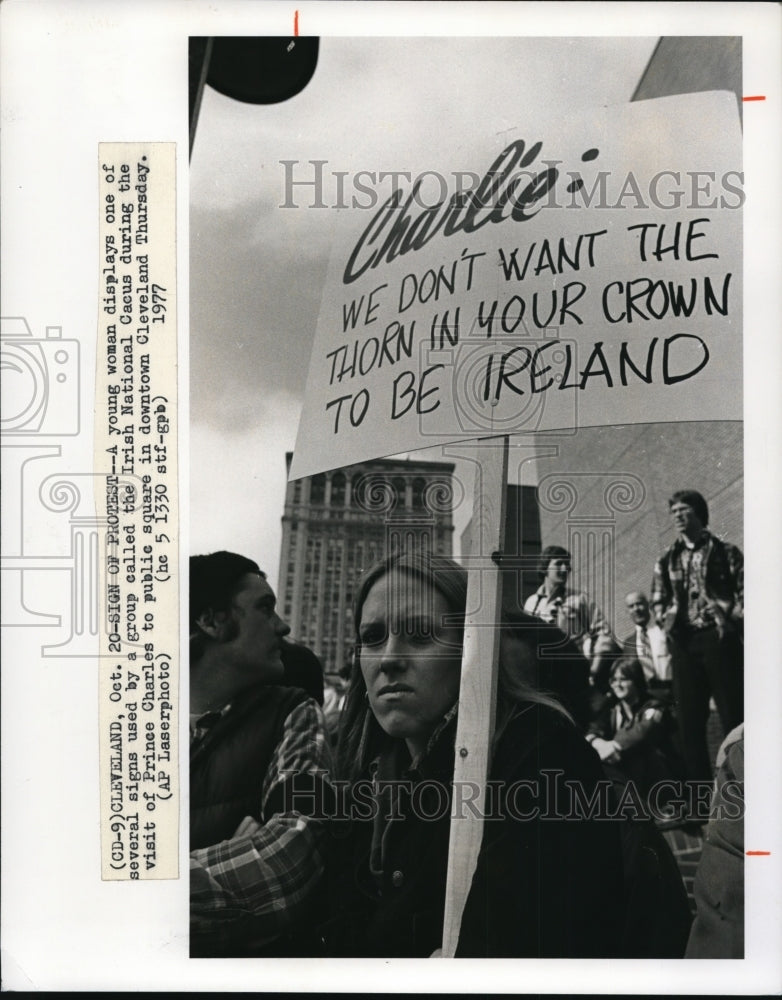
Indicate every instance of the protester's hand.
{"type": "Point", "coordinates": [607, 750]}
{"type": "Point", "coordinates": [721, 612]}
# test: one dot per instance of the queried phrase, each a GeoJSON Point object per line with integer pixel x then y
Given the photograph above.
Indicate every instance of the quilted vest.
{"type": "Point", "coordinates": [228, 766]}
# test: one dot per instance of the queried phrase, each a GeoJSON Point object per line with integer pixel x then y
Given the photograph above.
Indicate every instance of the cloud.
{"type": "Point", "coordinates": [257, 271]}
{"type": "Point", "coordinates": [375, 104]}
{"type": "Point", "coordinates": [252, 315]}
{"type": "Point", "coordinates": [403, 104]}
{"type": "Point", "coordinates": [243, 513]}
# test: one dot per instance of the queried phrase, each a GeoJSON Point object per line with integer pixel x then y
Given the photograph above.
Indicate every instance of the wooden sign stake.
{"type": "Point", "coordinates": [478, 691]}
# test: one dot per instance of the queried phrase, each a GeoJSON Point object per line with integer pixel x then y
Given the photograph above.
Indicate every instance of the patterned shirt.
{"type": "Point", "coordinates": [700, 583]}
{"type": "Point", "coordinates": [585, 619]}
{"type": "Point", "coordinates": [259, 881]}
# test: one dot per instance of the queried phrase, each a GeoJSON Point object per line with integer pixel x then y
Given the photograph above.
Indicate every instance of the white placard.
{"type": "Point", "coordinates": [570, 273]}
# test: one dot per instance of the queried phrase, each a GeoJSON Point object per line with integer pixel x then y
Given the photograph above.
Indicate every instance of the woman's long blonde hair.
{"type": "Point", "coordinates": [361, 736]}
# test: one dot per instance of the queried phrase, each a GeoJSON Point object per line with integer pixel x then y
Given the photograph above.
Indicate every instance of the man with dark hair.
{"type": "Point", "coordinates": [571, 610]}
{"type": "Point", "coordinates": [259, 765]}
{"type": "Point", "coordinates": [698, 599]}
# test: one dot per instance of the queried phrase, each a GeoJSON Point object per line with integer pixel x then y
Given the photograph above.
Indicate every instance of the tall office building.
{"type": "Point", "coordinates": [337, 524]}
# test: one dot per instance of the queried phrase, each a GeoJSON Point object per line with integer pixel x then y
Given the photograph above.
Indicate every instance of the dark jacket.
{"type": "Point", "coordinates": [228, 765]}
{"type": "Point", "coordinates": [646, 742]}
{"type": "Point", "coordinates": [543, 887]}
{"type": "Point", "coordinates": [718, 930]}
{"type": "Point", "coordinates": [649, 726]}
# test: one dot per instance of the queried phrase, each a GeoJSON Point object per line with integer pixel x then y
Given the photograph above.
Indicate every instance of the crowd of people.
{"type": "Point", "coordinates": [303, 846]}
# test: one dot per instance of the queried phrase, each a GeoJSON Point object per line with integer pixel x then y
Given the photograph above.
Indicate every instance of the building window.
{"type": "Point", "coordinates": [338, 489]}
{"type": "Point", "coordinates": [318, 489]}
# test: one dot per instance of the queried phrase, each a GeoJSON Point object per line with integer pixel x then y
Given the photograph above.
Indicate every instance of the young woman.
{"type": "Point", "coordinates": [546, 866]}
{"type": "Point", "coordinates": [633, 735]}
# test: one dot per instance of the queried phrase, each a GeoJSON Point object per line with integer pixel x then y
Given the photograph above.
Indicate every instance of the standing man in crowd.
{"type": "Point", "coordinates": [648, 643]}
{"type": "Point", "coordinates": [259, 764]}
{"type": "Point", "coordinates": [698, 599]}
{"type": "Point", "coordinates": [571, 610]}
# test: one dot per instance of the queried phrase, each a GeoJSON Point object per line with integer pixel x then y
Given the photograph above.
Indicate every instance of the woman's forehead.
{"type": "Point", "coordinates": [400, 593]}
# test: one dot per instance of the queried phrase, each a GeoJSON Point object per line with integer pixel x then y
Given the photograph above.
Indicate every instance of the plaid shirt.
{"type": "Point", "coordinates": [254, 886]}
{"type": "Point", "coordinates": [701, 584]}
{"type": "Point", "coordinates": [584, 611]}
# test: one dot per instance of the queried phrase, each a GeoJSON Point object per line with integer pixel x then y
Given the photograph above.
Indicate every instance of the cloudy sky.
{"type": "Point", "coordinates": [257, 269]}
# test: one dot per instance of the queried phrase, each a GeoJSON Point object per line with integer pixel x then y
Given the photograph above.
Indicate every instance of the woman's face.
{"type": "Point", "coordinates": [624, 688]}
{"type": "Point", "coordinates": [410, 661]}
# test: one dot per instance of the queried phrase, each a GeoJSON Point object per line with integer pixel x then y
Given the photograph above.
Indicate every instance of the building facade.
{"type": "Point", "coordinates": [603, 495]}
{"type": "Point", "coordinates": [337, 524]}
{"type": "Point", "coordinates": [522, 546]}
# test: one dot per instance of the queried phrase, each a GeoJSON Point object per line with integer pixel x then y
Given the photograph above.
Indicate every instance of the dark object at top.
{"type": "Point", "coordinates": [249, 69]}
{"type": "Point", "coordinates": [262, 70]}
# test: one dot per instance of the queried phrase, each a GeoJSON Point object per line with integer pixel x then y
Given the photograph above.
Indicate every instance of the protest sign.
{"type": "Point", "coordinates": [587, 274]}
{"type": "Point", "coordinates": [123, 77]}
{"type": "Point", "coordinates": [577, 273]}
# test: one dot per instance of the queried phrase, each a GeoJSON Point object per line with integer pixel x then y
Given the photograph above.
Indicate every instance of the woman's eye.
{"type": "Point", "coordinates": [372, 636]}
